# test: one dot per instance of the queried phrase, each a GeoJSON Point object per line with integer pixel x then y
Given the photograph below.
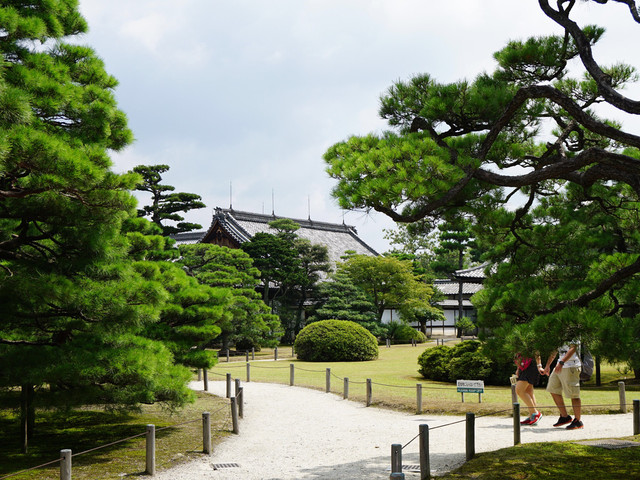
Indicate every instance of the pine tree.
{"type": "Point", "coordinates": [165, 206]}
{"type": "Point", "coordinates": [72, 305]}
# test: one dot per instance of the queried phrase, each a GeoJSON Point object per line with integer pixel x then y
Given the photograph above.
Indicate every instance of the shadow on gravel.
{"type": "Point", "coordinates": [380, 467]}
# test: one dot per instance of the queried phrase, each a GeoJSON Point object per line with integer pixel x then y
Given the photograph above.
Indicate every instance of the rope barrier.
{"type": "Point", "coordinates": [109, 444]}
{"type": "Point", "coordinates": [253, 365]}
{"type": "Point", "coordinates": [57, 460]}
{"type": "Point", "coordinates": [225, 426]}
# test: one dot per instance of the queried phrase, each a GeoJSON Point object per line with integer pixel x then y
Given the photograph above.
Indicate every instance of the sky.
{"type": "Point", "coordinates": [242, 98]}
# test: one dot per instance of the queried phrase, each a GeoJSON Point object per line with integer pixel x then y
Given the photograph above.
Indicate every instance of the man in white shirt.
{"type": "Point", "coordinates": [564, 381]}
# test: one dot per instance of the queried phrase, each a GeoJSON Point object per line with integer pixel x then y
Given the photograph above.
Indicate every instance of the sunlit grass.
{"type": "Point", "coordinates": [565, 460]}
{"type": "Point", "coordinates": [394, 376]}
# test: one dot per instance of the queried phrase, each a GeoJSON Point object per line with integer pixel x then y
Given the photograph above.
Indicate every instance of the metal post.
{"type": "Point", "coordinates": [346, 388]}
{"type": "Point", "coordinates": [275, 354]}
{"type": "Point", "coordinates": [65, 464]}
{"type": "Point", "coordinates": [471, 435]}
{"type": "Point", "coordinates": [425, 465]}
{"type": "Point", "coordinates": [327, 382]}
{"type": "Point", "coordinates": [234, 415]}
{"type": "Point", "coordinates": [205, 378]}
{"type": "Point", "coordinates": [396, 462]}
{"type": "Point", "coordinates": [248, 372]}
{"type": "Point", "coordinates": [206, 433]}
{"type": "Point", "coordinates": [292, 369]}
{"type": "Point", "coordinates": [636, 417]}
{"type": "Point", "coordinates": [151, 450]}
{"type": "Point", "coordinates": [228, 385]}
{"type": "Point", "coordinates": [369, 392]}
{"type": "Point", "coordinates": [623, 399]}
{"type": "Point", "coordinates": [419, 398]}
{"type": "Point", "coordinates": [516, 423]}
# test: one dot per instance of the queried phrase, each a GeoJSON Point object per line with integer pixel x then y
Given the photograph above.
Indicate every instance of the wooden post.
{"type": "Point", "coordinates": [396, 462]}
{"type": "Point", "coordinates": [253, 353]}
{"type": "Point", "coordinates": [369, 392]}
{"type": "Point", "coordinates": [275, 354]}
{"type": "Point", "coordinates": [206, 433]}
{"type": "Point", "coordinates": [292, 369]}
{"type": "Point", "coordinates": [471, 435]}
{"type": "Point", "coordinates": [205, 379]}
{"type": "Point", "coordinates": [234, 415]}
{"type": "Point", "coordinates": [151, 450]}
{"type": "Point", "coordinates": [516, 423]}
{"type": "Point", "coordinates": [345, 395]}
{"type": "Point", "coordinates": [240, 397]}
{"type": "Point", "coordinates": [65, 464]}
{"type": "Point", "coordinates": [247, 355]}
{"type": "Point", "coordinates": [418, 398]}
{"type": "Point", "coordinates": [327, 381]}
{"type": "Point", "coordinates": [636, 417]}
{"type": "Point", "coordinates": [623, 397]}
{"type": "Point", "coordinates": [248, 372]}
{"type": "Point", "coordinates": [425, 464]}
{"type": "Point", "coordinates": [227, 355]}
{"type": "Point", "coordinates": [514, 395]}
{"type": "Point", "coordinates": [199, 374]}
{"type": "Point", "coordinates": [228, 385]}
{"type": "Point", "coordinates": [237, 386]}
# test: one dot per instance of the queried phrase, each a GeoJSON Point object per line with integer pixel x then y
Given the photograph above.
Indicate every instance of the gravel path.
{"type": "Point", "coordinates": [293, 433]}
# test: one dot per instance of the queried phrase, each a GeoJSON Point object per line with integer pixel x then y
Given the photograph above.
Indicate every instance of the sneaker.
{"type": "Point", "coordinates": [563, 421]}
{"type": "Point", "coordinates": [535, 418]}
{"type": "Point", "coordinates": [526, 421]}
{"type": "Point", "coordinates": [576, 424]}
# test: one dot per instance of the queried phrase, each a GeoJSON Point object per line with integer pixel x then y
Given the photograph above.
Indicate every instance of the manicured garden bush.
{"type": "Point", "coordinates": [467, 360]}
{"type": "Point", "coordinates": [402, 333]}
{"type": "Point", "coordinates": [434, 363]}
{"type": "Point", "coordinates": [335, 341]}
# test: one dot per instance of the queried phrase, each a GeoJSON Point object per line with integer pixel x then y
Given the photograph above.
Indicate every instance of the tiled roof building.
{"type": "Point", "coordinates": [231, 228]}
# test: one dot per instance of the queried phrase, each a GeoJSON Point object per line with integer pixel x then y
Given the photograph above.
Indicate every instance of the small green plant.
{"type": "Point", "coordinates": [335, 341]}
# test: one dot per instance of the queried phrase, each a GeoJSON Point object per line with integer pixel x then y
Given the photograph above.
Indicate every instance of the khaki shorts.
{"type": "Point", "coordinates": [566, 383]}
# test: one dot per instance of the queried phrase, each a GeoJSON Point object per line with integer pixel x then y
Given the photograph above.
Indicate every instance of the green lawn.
{"type": "Point", "coordinates": [394, 376]}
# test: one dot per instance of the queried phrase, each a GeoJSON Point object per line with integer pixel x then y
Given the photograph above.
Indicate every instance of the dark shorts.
{"type": "Point", "coordinates": [530, 374]}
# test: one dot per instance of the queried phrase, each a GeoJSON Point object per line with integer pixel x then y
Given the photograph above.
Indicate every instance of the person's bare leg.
{"type": "Point", "coordinates": [532, 393]}
{"type": "Point", "coordinates": [522, 391]}
{"type": "Point", "coordinates": [577, 407]}
{"type": "Point", "coordinates": [559, 401]}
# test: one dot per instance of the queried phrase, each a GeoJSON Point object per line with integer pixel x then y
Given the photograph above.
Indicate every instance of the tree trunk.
{"type": "Point", "coordinates": [460, 306]}
{"type": "Point", "coordinates": [27, 416]}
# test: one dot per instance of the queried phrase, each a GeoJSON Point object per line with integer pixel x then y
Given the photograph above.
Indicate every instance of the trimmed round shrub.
{"type": "Point", "coordinates": [335, 341]}
{"type": "Point", "coordinates": [434, 363]}
{"type": "Point", "coordinates": [403, 333]}
{"type": "Point", "coordinates": [467, 360]}
{"type": "Point", "coordinates": [470, 366]}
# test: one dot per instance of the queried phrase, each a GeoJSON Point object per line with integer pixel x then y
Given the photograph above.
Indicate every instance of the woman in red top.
{"type": "Point", "coordinates": [527, 377]}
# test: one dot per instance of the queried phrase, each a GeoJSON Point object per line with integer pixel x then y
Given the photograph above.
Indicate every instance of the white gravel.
{"type": "Point", "coordinates": [292, 433]}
